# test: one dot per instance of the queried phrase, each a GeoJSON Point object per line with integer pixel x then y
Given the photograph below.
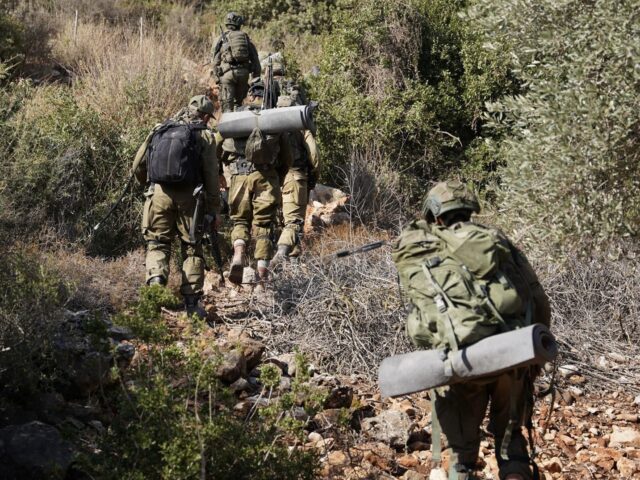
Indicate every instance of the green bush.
{"type": "Point", "coordinates": [406, 81]}
{"type": "Point", "coordinates": [31, 300]}
{"type": "Point", "coordinates": [176, 421]}
{"type": "Point", "coordinates": [571, 176]}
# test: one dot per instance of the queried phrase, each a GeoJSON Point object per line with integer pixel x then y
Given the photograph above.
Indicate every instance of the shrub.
{"type": "Point", "coordinates": [31, 297]}
{"type": "Point", "coordinates": [402, 79]}
{"type": "Point", "coordinates": [68, 152]}
{"type": "Point", "coordinates": [571, 174]}
{"type": "Point", "coordinates": [175, 419]}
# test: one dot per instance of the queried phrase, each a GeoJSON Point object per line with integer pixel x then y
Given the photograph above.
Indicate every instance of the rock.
{"type": "Point", "coordinates": [413, 475]}
{"type": "Point", "coordinates": [636, 400]}
{"type": "Point", "coordinates": [408, 461]}
{"type": "Point", "coordinates": [339, 397]}
{"type": "Point", "coordinates": [88, 372]}
{"type": "Point", "coordinates": [34, 450]}
{"type": "Point", "coordinates": [628, 417]}
{"type": "Point", "coordinates": [286, 362]}
{"type": "Point", "coordinates": [391, 427]}
{"type": "Point", "coordinates": [231, 367]}
{"type": "Point", "coordinates": [124, 354]}
{"type": "Point", "coordinates": [252, 351]}
{"type": "Point", "coordinates": [97, 426]}
{"type": "Point", "coordinates": [337, 458]}
{"type": "Point", "coordinates": [328, 418]}
{"type": "Point", "coordinates": [240, 385]}
{"type": "Point", "coordinates": [119, 333]}
{"type": "Point", "coordinates": [627, 467]}
{"type": "Point", "coordinates": [285, 384]}
{"type": "Point", "coordinates": [554, 465]}
{"type": "Point", "coordinates": [315, 437]}
{"type": "Point", "coordinates": [248, 276]}
{"type": "Point", "coordinates": [624, 437]}
{"type": "Point", "coordinates": [568, 370]}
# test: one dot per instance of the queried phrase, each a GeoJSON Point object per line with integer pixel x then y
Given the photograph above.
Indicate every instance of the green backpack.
{"type": "Point", "coordinates": [463, 283]}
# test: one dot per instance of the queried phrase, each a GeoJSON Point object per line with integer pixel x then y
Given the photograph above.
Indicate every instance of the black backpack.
{"type": "Point", "coordinates": [172, 155]}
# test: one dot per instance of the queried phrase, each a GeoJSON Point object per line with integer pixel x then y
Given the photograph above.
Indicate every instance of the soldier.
{"type": "Point", "coordinates": [254, 190]}
{"type": "Point", "coordinates": [300, 180]}
{"type": "Point", "coordinates": [432, 274]}
{"type": "Point", "coordinates": [182, 156]}
{"type": "Point", "coordinates": [234, 58]}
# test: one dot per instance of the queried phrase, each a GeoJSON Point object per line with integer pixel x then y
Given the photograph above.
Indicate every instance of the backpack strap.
{"type": "Point", "coordinates": [436, 430]}
{"type": "Point", "coordinates": [443, 302]}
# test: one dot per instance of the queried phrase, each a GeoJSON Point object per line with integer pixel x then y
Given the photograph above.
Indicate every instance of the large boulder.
{"type": "Point", "coordinates": [392, 427]}
{"type": "Point", "coordinates": [34, 450]}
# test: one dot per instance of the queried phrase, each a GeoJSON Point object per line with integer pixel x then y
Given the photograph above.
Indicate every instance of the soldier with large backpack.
{"type": "Point", "coordinates": [235, 58]}
{"type": "Point", "coordinates": [467, 282]}
{"type": "Point", "coordinates": [175, 160]}
{"type": "Point", "coordinates": [257, 164]}
{"type": "Point", "coordinates": [300, 180]}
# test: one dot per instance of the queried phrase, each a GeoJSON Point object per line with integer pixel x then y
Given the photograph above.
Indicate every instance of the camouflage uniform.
{"type": "Point", "coordinates": [254, 193]}
{"type": "Point", "coordinates": [233, 78]}
{"type": "Point", "coordinates": [298, 183]}
{"type": "Point", "coordinates": [169, 210]}
{"type": "Point", "coordinates": [460, 408]}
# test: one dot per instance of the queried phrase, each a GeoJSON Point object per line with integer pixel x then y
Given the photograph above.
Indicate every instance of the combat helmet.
{"type": "Point", "coordinates": [448, 196]}
{"type": "Point", "coordinates": [234, 20]}
{"type": "Point", "coordinates": [201, 104]}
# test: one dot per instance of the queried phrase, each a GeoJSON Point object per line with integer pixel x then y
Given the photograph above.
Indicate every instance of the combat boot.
{"type": "Point", "coordinates": [263, 271]}
{"type": "Point", "coordinates": [193, 307]}
{"type": "Point", "coordinates": [237, 262]}
{"type": "Point", "coordinates": [281, 256]}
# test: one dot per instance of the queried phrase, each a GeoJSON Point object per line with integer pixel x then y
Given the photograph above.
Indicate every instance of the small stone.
{"type": "Point", "coordinates": [124, 354]}
{"type": "Point", "coordinates": [628, 417]}
{"type": "Point", "coordinates": [627, 467]}
{"type": "Point", "coordinates": [325, 444]}
{"type": "Point", "coordinates": [240, 385]}
{"type": "Point", "coordinates": [285, 384]}
{"type": "Point", "coordinates": [576, 392]}
{"type": "Point", "coordinates": [252, 350]}
{"type": "Point", "coordinates": [624, 437]}
{"type": "Point", "coordinates": [231, 367]}
{"type": "Point", "coordinates": [337, 458]}
{"type": "Point", "coordinates": [408, 461]}
{"type": "Point", "coordinates": [636, 400]}
{"type": "Point", "coordinates": [553, 465]}
{"type": "Point", "coordinates": [412, 475]}
{"type": "Point", "coordinates": [119, 333]}
{"type": "Point", "coordinates": [315, 437]}
{"type": "Point", "coordinates": [567, 440]}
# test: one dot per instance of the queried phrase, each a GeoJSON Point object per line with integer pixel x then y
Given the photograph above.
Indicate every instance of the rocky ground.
{"type": "Point", "coordinates": [358, 435]}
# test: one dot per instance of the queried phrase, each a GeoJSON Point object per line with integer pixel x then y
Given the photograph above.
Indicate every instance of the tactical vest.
{"type": "Point", "coordinates": [463, 283]}
{"type": "Point", "coordinates": [173, 157]}
{"type": "Point", "coordinates": [235, 48]}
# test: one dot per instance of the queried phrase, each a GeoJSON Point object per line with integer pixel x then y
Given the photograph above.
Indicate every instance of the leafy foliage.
{"type": "Point", "coordinates": [405, 81]}
{"type": "Point", "coordinates": [176, 421]}
{"type": "Point", "coordinates": [570, 143]}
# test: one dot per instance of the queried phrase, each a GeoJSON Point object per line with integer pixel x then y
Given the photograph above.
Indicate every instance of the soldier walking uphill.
{"type": "Point", "coordinates": [300, 180]}
{"type": "Point", "coordinates": [257, 165]}
{"type": "Point", "coordinates": [176, 157]}
{"type": "Point", "coordinates": [234, 58]}
{"type": "Point", "coordinates": [467, 282]}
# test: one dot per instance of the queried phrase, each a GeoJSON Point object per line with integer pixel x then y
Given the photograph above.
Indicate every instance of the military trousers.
{"type": "Point", "coordinates": [461, 408]}
{"type": "Point", "coordinates": [233, 88]}
{"type": "Point", "coordinates": [295, 196]}
{"type": "Point", "coordinates": [168, 211]}
{"type": "Point", "coordinates": [253, 206]}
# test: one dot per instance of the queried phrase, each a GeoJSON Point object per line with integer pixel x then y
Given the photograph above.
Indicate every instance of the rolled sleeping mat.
{"type": "Point", "coordinates": [273, 120]}
{"type": "Point", "coordinates": [426, 369]}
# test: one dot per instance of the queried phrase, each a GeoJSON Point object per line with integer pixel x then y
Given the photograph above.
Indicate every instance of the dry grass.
{"type": "Point", "coordinates": [132, 80]}
{"type": "Point", "coordinates": [347, 314]}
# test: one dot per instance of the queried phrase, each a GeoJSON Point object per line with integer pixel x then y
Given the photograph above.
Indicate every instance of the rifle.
{"type": "Point", "coordinates": [205, 225]}
{"type": "Point", "coordinates": [269, 100]}
{"type": "Point", "coordinates": [115, 205]}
